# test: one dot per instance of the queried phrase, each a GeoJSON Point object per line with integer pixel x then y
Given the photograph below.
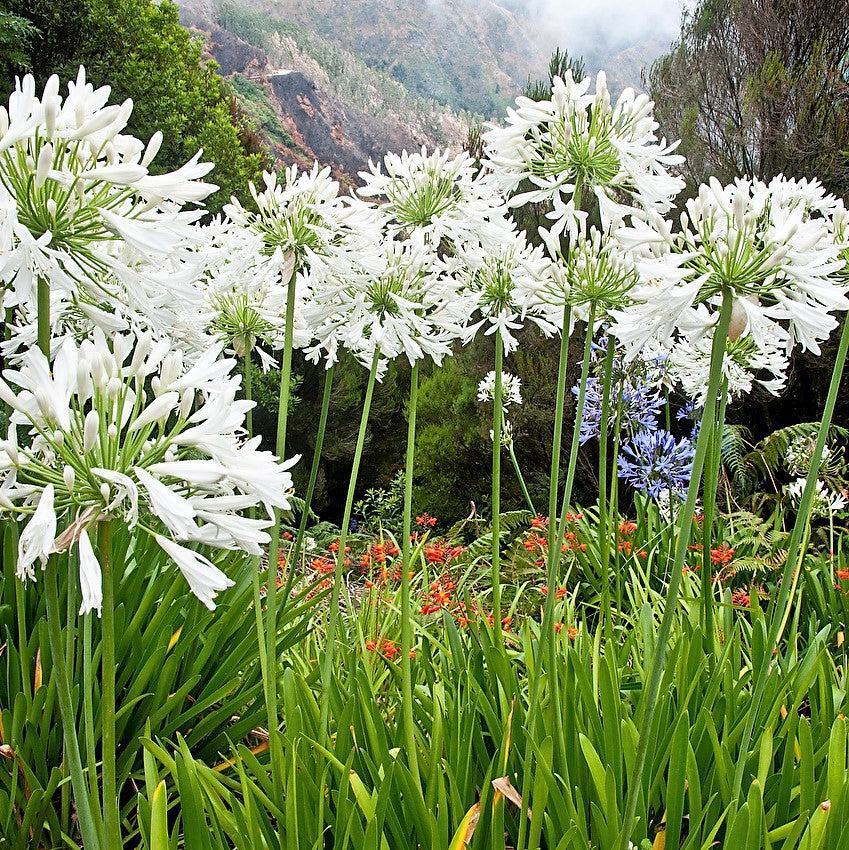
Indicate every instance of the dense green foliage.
{"type": "Point", "coordinates": [140, 49]}
{"type": "Point", "coordinates": [759, 88]}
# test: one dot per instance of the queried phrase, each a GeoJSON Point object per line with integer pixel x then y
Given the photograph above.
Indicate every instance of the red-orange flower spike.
{"type": "Point", "coordinates": [722, 554]}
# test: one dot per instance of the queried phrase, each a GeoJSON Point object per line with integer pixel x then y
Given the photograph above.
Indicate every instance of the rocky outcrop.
{"type": "Point", "coordinates": [235, 55]}
{"type": "Point", "coordinates": [334, 133]}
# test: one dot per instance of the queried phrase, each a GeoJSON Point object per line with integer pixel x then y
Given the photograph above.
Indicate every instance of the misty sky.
{"type": "Point", "coordinates": [581, 24]}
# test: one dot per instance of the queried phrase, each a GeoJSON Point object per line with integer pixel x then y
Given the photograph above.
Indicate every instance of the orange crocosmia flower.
{"type": "Point", "coordinates": [539, 521]}
{"type": "Point", "coordinates": [371, 645]}
{"type": "Point", "coordinates": [558, 627]}
{"type": "Point", "coordinates": [572, 632]}
{"type": "Point", "coordinates": [722, 554]}
{"type": "Point", "coordinates": [426, 520]}
{"type": "Point", "coordinates": [740, 598]}
{"type": "Point", "coordinates": [390, 650]}
{"type": "Point", "coordinates": [627, 527]}
{"type": "Point", "coordinates": [843, 574]}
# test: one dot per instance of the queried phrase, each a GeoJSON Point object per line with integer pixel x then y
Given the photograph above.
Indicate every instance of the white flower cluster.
{"type": "Point", "coordinates": [170, 460]}
{"type": "Point", "coordinates": [511, 388]}
{"type": "Point", "coordinates": [826, 501]}
{"type": "Point", "coordinates": [772, 248]}
{"type": "Point", "coordinates": [79, 207]}
{"type": "Point", "coordinates": [580, 140]}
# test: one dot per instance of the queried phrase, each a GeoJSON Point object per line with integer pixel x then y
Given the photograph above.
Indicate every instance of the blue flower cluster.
{"type": "Point", "coordinates": [651, 459]}
{"type": "Point", "coordinates": [640, 402]}
{"type": "Point", "coordinates": [654, 461]}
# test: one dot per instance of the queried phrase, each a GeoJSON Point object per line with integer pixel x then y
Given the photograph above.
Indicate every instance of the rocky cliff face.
{"type": "Point", "coordinates": [298, 116]}
{"type": "Point", "coordinates": [334, 133]}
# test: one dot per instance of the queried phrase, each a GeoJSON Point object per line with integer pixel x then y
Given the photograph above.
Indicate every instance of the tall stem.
{"type": "Point", "coordinates": [256, 582]}
{"type": "Point", "coordinates": [712, 466]}
{"type": "Point", "coordinates": [91, 840]}
{"type": "Point", "coordinates": [605, 509]}
{"type": "Point", "coordinates": [406, 608]}
{"type": "Point", "coordinates": [546, 635]}
{"type": "Point", "coordinates": [579, 418]}
{"type": "Point", "coordinates": [333, 618]}
{"type": "Point", "coordinates": [270, 681]}
{"type": "Point", "coordinates": [316, 463]}
{"type": "Point", "coordinates": [43, 320]}
{"type": "Point", "coordinates": [650, 697]}
{"type": "Point", "coordinates": [521, 478]}
{"type": "Point", "coordinates": [793, 548]}
{"type": "Point", "coordinates": [497, 411]}
{"type": "Point", "coordinates": [111, 819]}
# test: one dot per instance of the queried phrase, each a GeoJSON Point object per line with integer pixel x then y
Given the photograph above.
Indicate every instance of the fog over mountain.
{"type": "Point", "coordinates": [593, 26]}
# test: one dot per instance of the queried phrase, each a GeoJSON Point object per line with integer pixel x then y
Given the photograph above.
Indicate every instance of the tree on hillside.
{"type": "Point", "coordinates": [139, 48]}
{"type": "Point", "coordinates": [759, 87]}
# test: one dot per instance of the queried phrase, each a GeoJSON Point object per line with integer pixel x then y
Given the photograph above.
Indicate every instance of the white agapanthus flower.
{"type": "Point", "coordinates": [502, 287]}
{"type": "Point", "coordinates": [826, 501]}
{"type": "Point", "coordinates": [390, 298]}
{"type": "Point", "coordinates": [301, 216]}
{"type": "Point", "coordinates": [78, 206]}
{"type": "Point", "coordinates": [800, 452]}
{"type": "Point", "coordinates": [511, 388]}
{"type": "Point", "coordinates": [770, 246]}
{"type": "Point", "coordinates": [172, 463]}
{"type": "Point", "coordinates": [245, 294]}
{"type": "Point", "coordinates": [743, 363]}
{"type": "Point", "coordinates": [440, 195]}
{"type": "Point", "coordinates": [596, 270]}
{"type": "Point", "coordinates": [580, 139]}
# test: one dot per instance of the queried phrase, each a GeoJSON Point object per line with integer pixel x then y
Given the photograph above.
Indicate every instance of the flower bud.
{"type": "Point", "coordinates": [186, 404]}
{"type": "Point", "coordinates": [141, 351]}
{"type": "Point", "coordinates": [152, 148]}
{"type": "Point", "coordinates": [112, 431]}
{"type": "Point", "coordinates": [45, 160]}
{"type": "Point", "coordinates": [11, 449]}
{"type": "Point", "coordinates": [59, 437]}
{"type": "Point", "coordinates": [52, 106]}
{"type": "Point", "coordinates": [113, 388]}
{"type": "Point", "coordinates": [91, 430]}
{"type": "Point", "coordinates": [51, 208]}
{"type": "Point", "coordinates": [105, 492]}
{"type": "Point", "coordinates": [69, 477]}
{"type": "Point", "coordinates": [738, 321]}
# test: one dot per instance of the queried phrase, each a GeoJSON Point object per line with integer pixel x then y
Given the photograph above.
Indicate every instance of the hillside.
{"type": "Point", "coordinates": [310, 99]}
{"type": "Point", "coordinates": [344, 82]}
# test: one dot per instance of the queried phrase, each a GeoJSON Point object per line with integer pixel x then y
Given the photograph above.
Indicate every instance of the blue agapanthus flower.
{"type": "Point", "coordinates": [641, 407]}
{"type": "Point", "coordinates": [654, 461]}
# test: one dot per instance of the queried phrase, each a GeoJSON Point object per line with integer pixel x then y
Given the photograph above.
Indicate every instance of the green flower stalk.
{"type": "Point", "coordinates": [406, 567]}
{"type": "Point", "coordinates": [782, 605]}
{"type": "Point", "coordinates": [650, 694]}
{"type": "Point", "coordinates": [339, 577]}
